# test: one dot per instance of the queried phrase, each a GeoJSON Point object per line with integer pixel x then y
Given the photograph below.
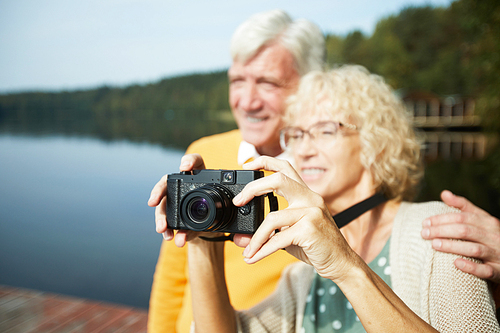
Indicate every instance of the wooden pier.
{"type": "Point", "coordinates": [25, 311]}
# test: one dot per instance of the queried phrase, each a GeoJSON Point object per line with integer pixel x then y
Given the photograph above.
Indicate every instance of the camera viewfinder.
{"type": "Point", "coordinates": [228, 177]}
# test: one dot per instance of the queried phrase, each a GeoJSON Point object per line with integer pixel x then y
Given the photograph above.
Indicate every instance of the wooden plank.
{"type": "Point", "coordinates": [58, 315]}
{"type": "Point", "coordinates": [29, 311]}
{"type": "Point", "coordinates": [127, 320]}
{"type": "Point", "coordinates": [93, 320]}
{"type": "Point", "coordinates": [13, 307]}
{"type": "Point", "coordinates": [38, 312]}
{"type": "Point", "coordinates": [140, 325]}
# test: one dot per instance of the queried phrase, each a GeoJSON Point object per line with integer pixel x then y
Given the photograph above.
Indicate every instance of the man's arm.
{"type": "Point", "coordinates": [170, 278]}
{"type": "Point", "coordinates": [478, 230]}
{"type": "Point", "coordinates": [168, 288]}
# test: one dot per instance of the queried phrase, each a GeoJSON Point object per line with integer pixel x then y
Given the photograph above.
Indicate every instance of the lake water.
{"type": "Point", "coordinates": [74, 217]}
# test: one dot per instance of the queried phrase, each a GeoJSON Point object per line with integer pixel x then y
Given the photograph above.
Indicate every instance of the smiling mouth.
{"type": "Point", "coordinates": [312, 171]}
{"type": "Point", "coordinates": [254, 120]}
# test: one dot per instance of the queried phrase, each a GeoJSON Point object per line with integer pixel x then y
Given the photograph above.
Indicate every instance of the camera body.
{"type": "Point", "coordinates": [201, 200]}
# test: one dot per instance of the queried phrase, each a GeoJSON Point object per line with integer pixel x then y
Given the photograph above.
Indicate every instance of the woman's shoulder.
{"type": "Point", "coordinates": [298, 271]}
{"type": "Point", "coordinates": [296, 279]}
{"type": "Point", "coordinates": [406, 234]}
{"type": "Point", "coordinates": [422, 210]}
{"type": "Point", "coordinates": [427, 280]}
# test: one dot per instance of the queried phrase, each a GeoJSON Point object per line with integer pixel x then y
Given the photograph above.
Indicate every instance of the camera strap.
{"type": "Point", "coordinates": [343, 218]}
{"type": "Point", "coordinates": [273, 206]}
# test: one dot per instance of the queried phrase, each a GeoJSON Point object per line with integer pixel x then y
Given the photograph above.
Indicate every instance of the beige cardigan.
{"type": "Point", "coordinates": [426, 280]}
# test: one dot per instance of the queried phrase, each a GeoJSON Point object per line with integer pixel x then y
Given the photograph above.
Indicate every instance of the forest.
{"type": "Point", "coordinates": [452, 50]}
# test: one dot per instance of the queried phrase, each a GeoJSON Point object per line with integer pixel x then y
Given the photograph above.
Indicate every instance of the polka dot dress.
{"type": "Point", "coordinates": [328, 310]}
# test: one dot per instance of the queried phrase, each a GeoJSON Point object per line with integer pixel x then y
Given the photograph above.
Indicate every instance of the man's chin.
{"type": "Point", "coordinates": [266, 142]}
{"type": "Point", "coordinates": [253, 137]}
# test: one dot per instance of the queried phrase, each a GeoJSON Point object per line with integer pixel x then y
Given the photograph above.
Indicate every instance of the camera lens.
{"type": "Point", "coordinates": [207, 208]}
{"type": "Point", "coordinates": [198, 210]}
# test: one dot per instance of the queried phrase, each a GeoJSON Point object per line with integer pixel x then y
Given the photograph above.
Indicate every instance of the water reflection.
{"type": "Point", "coordinates": [74, 218]}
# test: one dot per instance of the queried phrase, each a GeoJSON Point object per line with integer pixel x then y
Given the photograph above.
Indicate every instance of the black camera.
{"type": "Point", "coordinates": [201, 200]}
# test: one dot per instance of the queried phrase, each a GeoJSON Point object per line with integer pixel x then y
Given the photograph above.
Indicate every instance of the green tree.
{"type": "Point", "coordinates": [355, 49]}
{"type": "Point", "coordinates": [481, 22]}
{"type": "Point", "coordinates": [388, 55]}
{"type": "Point", "coordinates": [334, 46]}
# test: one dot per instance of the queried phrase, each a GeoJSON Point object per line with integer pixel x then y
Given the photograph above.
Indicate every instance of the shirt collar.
{"type": "Point", "coordinates": [247, 151]}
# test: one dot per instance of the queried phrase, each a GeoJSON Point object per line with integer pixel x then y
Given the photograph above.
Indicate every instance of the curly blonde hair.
{"type": "Point", "coordinates": [390, 148]}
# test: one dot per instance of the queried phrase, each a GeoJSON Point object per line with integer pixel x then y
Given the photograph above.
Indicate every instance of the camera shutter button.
{"type": "Point", "coordinates": [245, 210]}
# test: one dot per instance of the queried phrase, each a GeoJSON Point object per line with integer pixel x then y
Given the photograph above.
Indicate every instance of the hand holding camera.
{"type": "Point", "coordinates": [158, 195]}
{"type": "Point", "coordinates": [201, 201]}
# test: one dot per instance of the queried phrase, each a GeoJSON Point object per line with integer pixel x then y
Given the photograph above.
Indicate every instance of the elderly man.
{"type": "Point", "coordinates": [270, 53]}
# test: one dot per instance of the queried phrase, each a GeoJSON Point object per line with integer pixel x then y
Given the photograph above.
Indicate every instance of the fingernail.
{"type": "Point", "coordinates": [427, 223]}
{"type": "Point", "coordinates": [248, 260]}
{"type": "Point", "coordinates": [167, 235]}
{"type": "Point", "coordinates": [426, 233]}
{"type": "Point", "coordinates": [237, 198]}
{"type": "Point", "coordinates": [460, 264]}
{"type": "Point", "coordinates": [437, 243]}
{"type": "Point", "coordinates": [247, 250]}
{"type": "Point", "coordinates": [185, 164]}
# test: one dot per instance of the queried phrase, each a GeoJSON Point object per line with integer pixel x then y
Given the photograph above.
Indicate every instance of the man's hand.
{"type": "Point", "coordinates": [159, 194]}
{"type": "Point", "coordinates": [478, 230]}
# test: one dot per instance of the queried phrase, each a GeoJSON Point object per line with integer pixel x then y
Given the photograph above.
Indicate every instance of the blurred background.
{"type": "Point", "coordinates": [99, 99]}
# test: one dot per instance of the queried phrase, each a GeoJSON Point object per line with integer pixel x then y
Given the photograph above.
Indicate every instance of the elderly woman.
{"type": "Point", "coordinates": [350, 140]}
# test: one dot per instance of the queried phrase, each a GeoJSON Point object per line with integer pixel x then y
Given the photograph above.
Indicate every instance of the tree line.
{"type": "Point", "coordinates": [172, 112]}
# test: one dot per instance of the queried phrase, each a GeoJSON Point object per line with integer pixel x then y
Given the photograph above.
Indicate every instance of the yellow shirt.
{"type": "Point", "coordinates": [170, 307]}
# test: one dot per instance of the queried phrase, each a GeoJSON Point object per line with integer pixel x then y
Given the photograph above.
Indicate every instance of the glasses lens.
{"type": "Point", "coordinates": [292, 136]}
{"type": "Point", "coordinates": [324, 132]}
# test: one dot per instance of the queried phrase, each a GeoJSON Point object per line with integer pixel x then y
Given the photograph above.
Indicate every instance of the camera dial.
{"type": "Point", "coordinates": [207, 208]}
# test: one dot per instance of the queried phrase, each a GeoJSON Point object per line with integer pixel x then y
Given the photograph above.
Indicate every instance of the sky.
{"type": "Point", "coordinates": [52, 45]}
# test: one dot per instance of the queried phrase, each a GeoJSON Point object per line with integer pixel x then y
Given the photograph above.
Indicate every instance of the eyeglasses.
{"type": "Point", "coordinates": [321, 133]}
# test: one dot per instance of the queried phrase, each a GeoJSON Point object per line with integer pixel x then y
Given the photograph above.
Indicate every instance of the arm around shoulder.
{"type": "Point", "coordinates": [428, 281]}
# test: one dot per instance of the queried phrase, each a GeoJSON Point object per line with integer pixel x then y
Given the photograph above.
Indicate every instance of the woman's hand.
{"type": "Point", "coordinates": [307, 231]}
{"type": "Point", "coordinates": [306, 228]}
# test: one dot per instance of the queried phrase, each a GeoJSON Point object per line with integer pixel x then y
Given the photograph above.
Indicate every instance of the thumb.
{"type": "Point", "coordinates": [242, 240]}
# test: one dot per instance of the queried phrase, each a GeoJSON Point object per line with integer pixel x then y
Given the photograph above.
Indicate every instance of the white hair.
{"type": "Point", "coordinates": [302, 38]}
